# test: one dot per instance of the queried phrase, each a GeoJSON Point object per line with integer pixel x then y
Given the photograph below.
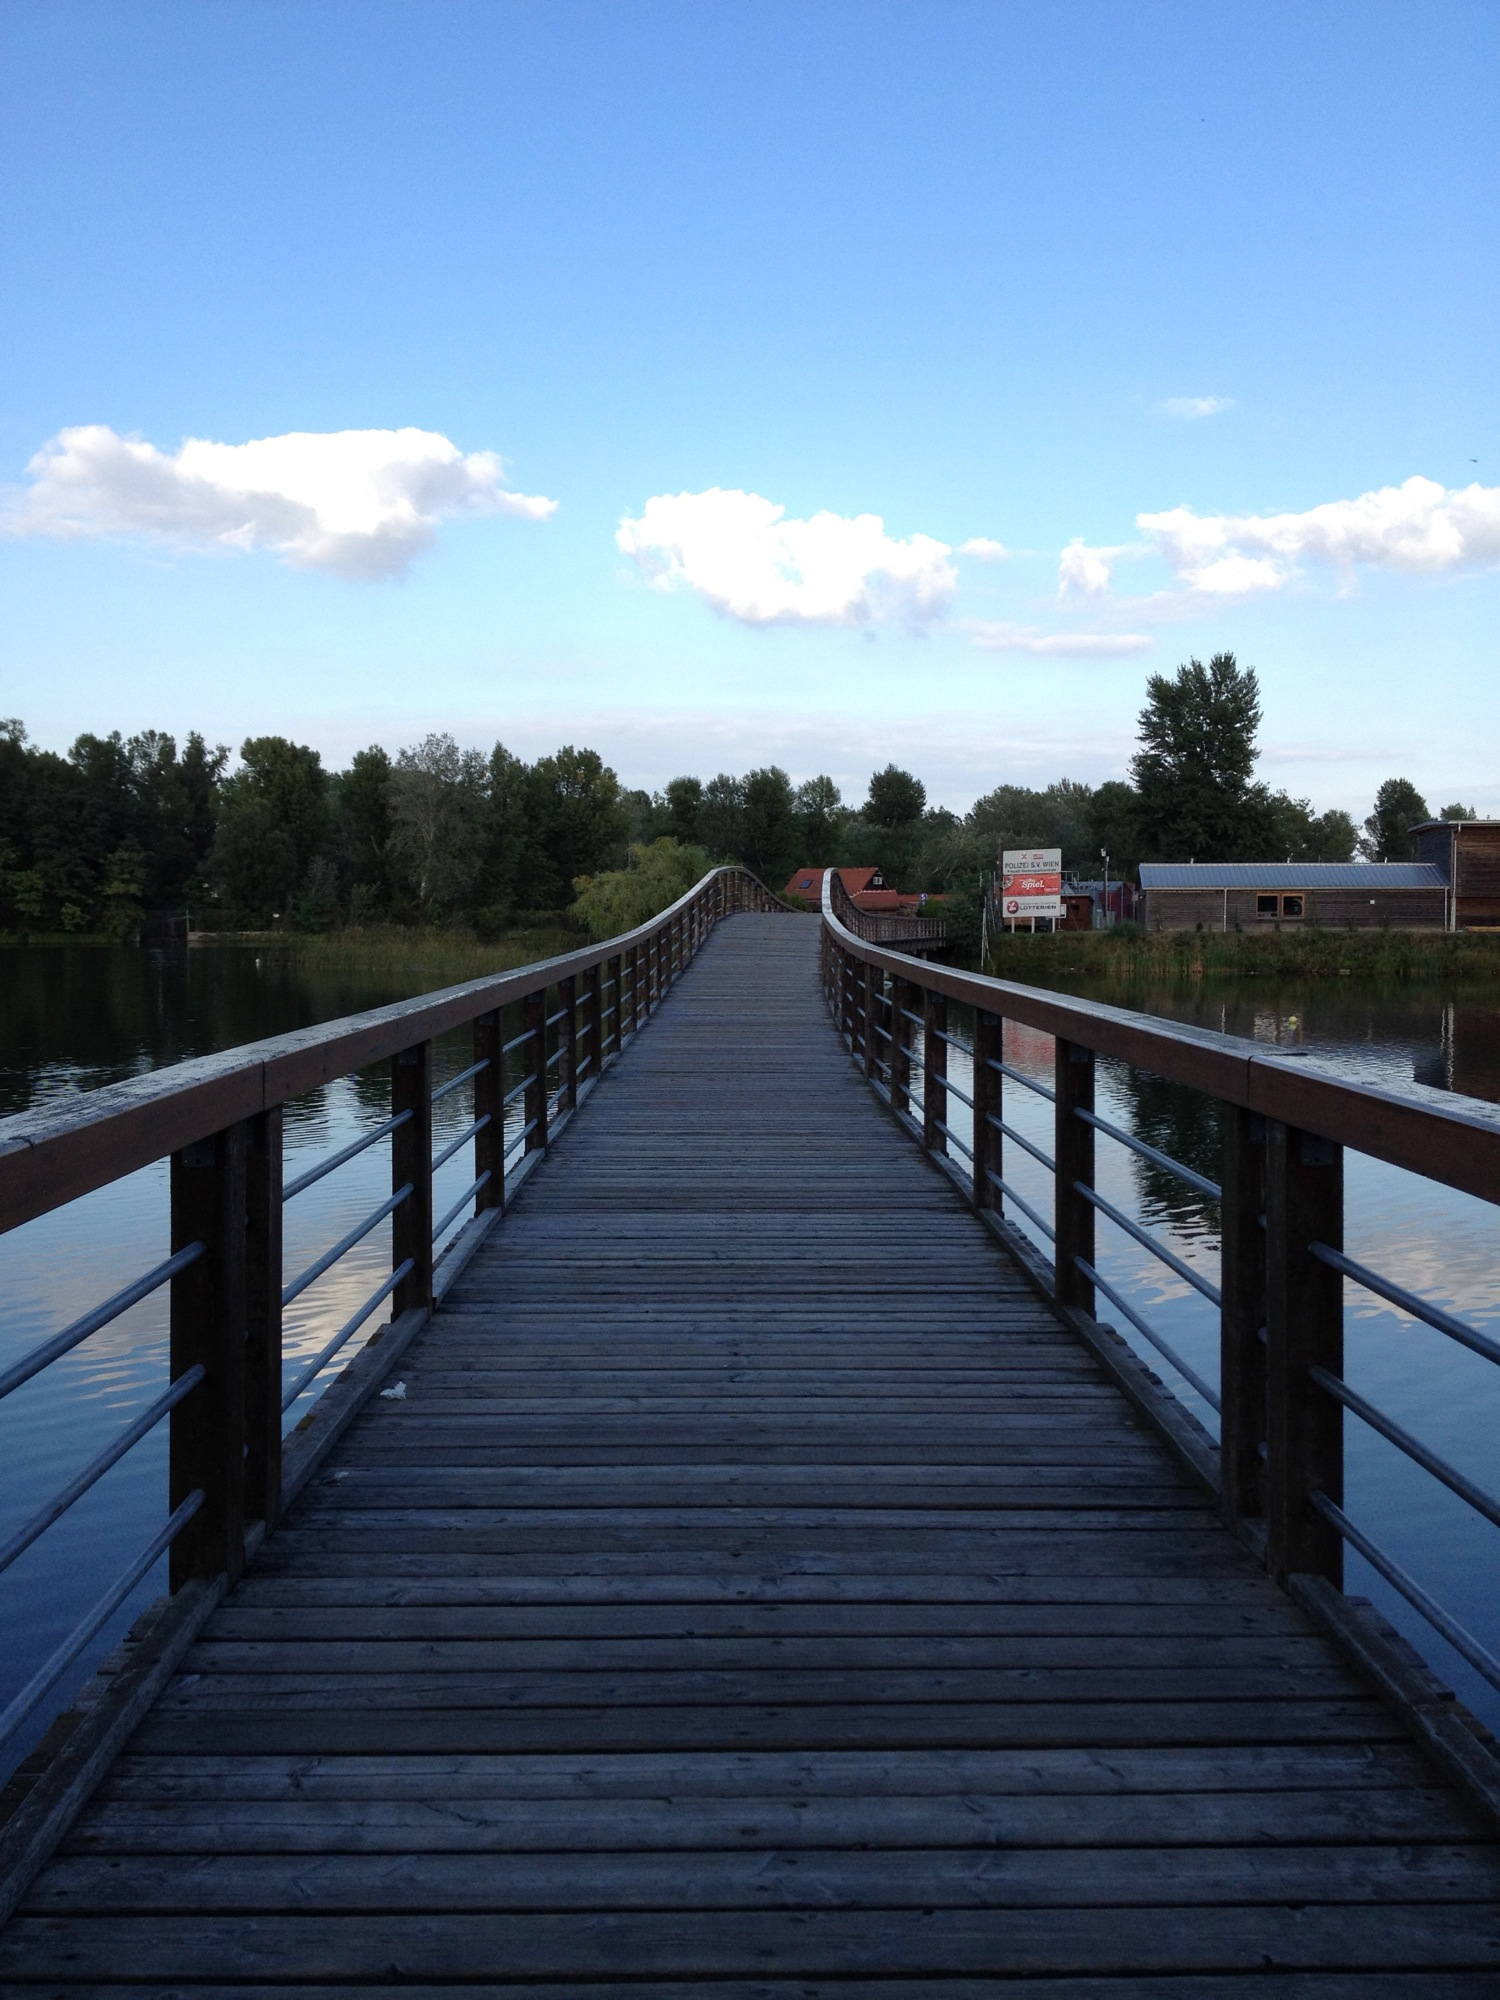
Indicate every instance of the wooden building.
{"type": "Point", "coordinates": [1266, 895]}
{"type": "Point", "coordinates": [1467, 852]}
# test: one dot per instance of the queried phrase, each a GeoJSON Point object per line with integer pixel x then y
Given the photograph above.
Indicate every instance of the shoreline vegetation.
{"type": "Point", "coordinates": [450, 953]}
{"type": "Point", "coordinates": [1129, 954]}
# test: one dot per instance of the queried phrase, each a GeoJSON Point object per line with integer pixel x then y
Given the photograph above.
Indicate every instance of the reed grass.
{"type": "Point", "coordinates": [440, 956]}
{"type": "Point", "coordinates": [1311, 953]}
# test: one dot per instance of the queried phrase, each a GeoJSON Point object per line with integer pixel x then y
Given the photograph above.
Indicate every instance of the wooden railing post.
{"type": "Point", "coordinates": [263, 1346]}
{"type": "Point", "coordinates": [411, 1161]}
{"type": "Point", "coordinates": [902, 996]}
{"type": "Point", "coordinates": [1242, 1318]}
{"type": "Point", "coordinates": [567, 1004]}
{"type": "Point", "coordinates": [869, 1002]}
{"type": "Point", "coordinates": [615, 1034]}
{"type": "Point", "coordinates": [206, 1447]}
{"type": "Point", "coordinates": [934, 1069]}
{"type": "Point", "coordinates": [989, 1046]}
{"type": "Point", "coordinates": [534, 1018]}
{"type": "Point", "coordinates": [593, 1018]}
{"type": "Point", "coordinates": [489, 1101]}
{"type": "Point", "coordinates": [1304, 1329]}
{"type": "Point", "coordinates": [1073, 1154]}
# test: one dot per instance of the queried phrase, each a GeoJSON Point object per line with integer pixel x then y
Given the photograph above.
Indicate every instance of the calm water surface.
{"type": "Point", "coordinates": [74, 1018]}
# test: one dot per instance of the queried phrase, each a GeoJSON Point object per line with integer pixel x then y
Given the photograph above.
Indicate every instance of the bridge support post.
{"type": "Point", "coordinates": [263, 1278]}
{"type": "Point", "coordinates": [1073, 1154]}
{"type": "Point", "coordinates": [593, 1018]}
{"type": "Point", "coordinates": [411, 1160]}
{"type": "Point", "coordinates": [934, 1070]}
{"type": "Point", "coordinates": [1242, 1319]}
{"type": "Point", "coordinates": [989, 1045]}
{"type": "Point", "coordinates": [206, 1448]}
{"type": "Point", "coordinates": [534, 1017]}
{"type": "Point", "coordinates": [902, 995]}
{"type": "Point", "coordinates": [567, 1006]}
{"type": "Point", "coordinates": [870, 991]}
{"type": "Point", "coordinates": [489, 1102]}
{"type": "Point", "coordinates": [1304, 1330]}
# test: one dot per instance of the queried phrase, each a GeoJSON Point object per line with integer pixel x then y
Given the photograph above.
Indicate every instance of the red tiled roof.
{"type": "Point", "coordinates": [808, 882]}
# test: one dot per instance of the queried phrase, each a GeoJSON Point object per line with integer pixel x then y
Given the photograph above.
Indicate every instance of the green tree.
{"type": "Point", "coordinates": [362, 832]}
{"type": "Point", "coordinates": [1386, 835]}
{"type": "Point", "coordinates": [658, 873]}
{"type": "Point", "coordinates": [1294, 832]}
{"type": "Point", "coordinates": [820, 814]}
{"type": "Point", "coordinates": [507, 837]}
{"type": "Point", "coordinates": [437, 794]}
{"type": "Point", "coordinates": [1114, 829]}
{"type": "Point", "coordinates": [769, 834]}
{"type": "Point", "coordinates": [1193, 772]}
{"type": "Point", "coordinates": [896, 799]}
{"type": "Point", "coordinates": [291, 779]}
{"type": "Point", "coordinates": [577, 823]}
{"type": "Point", "coordinates": [684, 804]}
{"type": "Point", "coordinates": [1458, 812]}
{"type": "Point", "coordinates": [721, 819]}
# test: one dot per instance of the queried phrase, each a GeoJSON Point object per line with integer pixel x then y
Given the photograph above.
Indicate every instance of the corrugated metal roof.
{"type": "Point", "coordinates": [1291, 875]}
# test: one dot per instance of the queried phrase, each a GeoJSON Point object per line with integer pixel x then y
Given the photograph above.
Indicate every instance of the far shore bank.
{"type": "Point", "coordinates": [1128, 954]}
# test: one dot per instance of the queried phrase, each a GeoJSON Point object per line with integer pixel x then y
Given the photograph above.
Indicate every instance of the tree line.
{"type": "Point", "coordinates": [437, 834]}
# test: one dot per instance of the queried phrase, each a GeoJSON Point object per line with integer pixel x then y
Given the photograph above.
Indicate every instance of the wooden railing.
{"type": "Point", "coordinates": [542, 1036]}
{"type": "Point", "coordinates": [894, 927]}
{"type": "Point", "coordinates": [1280, 1394]}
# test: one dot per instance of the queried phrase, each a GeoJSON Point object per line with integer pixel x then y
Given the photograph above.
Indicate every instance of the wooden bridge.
{"type": "Point", "coordinates": [760, 1576]}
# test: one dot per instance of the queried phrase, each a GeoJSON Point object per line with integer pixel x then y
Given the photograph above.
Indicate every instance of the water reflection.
{"type": "Point", "coordinates": [1185, 1126]}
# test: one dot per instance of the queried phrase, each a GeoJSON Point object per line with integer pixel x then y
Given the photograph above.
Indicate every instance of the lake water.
{"type": "Point", "coordinates": [75, 1018]}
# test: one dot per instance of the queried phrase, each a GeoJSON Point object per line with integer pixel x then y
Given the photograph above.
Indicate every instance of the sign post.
{"type": "Point", "coordinates": [1030, 884]}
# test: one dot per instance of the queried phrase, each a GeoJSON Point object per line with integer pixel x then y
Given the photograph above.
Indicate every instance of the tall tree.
{"type": "Point", "coordinates": [896, 799]}
{"type": "Point", "coordinates": [507, 837]}
{"type": "Point", "coordinates": [1194, 770]}
{"type": "Point", "coordinates": [1460, 812]}
{"type": "Point", "coordinates": [578, 824]}
{"type": "Point", "coordinates": [684, 803]}
{"type": "Point", "coordinates": [770, 830]}
{"type": "Point", "coordinates": [721, 818]}
{"type": "Point", "coordinates": [362, 823]}
{"type": "Point", "coordinates": [1386, 835]}
{"type": "Point", "coordinates": [820, 813]}
{"type": "Point", "coordinates": [436, 794]}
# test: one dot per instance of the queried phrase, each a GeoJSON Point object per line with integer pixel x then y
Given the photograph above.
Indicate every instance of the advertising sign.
{"type": "Point", "coordinates": [1030, 883]}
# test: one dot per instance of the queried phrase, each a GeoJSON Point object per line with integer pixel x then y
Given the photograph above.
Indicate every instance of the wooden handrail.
{"type": "Point", "coordinates": [54, 1154]}
{"type": "Point", "coordinates": [1277, 1465]}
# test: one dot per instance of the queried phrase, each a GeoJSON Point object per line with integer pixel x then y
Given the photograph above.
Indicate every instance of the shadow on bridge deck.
{"type": "Point", "coordinates": [756, 1591]}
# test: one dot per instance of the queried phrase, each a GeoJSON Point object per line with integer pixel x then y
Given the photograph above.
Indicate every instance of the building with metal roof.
{"type": "Point", "coordinates": [1259, 895]}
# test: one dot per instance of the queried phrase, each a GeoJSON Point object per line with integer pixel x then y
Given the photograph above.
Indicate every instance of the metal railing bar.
{"type": "Point", "coordinates": [80, 1329]}
{"type": "Point", "coordinates": [526, 1035]}
{"type": "Point", "coordinates": [608, 1013]}
{"type": "Point", "coordinates": [553, 1019]}
{"type": "Point", "coordinates": [1027, 1082]}
{"type": "Point", "coordinates": [57, 1665]}
{"type": "Point", "coordinates": [1023, 1204]}
{"type": "Point", "coordinates": [606, 986]}
{"type": "Point", "coordinates": [1188, 1373]}
{"type": "Point", "coordinates": [948, 1133]}
{"type": "Point", "coordinates": [560, 1051]}
{"type": "Point", "coordinates": [1456, 1329]}
{"type": "Point", "coordinates": [1456, 1481]}
{"type": "Point", "coordinates": [95, 1470]}
{"type": "Point", "coordinates": [350, 1327]}
{"type": "Point", "coordinates": [1147, 1241]}
{"type": "Point", "coordinates": [463, 1137]}
{"type": "Point", "coordinates": [511, 1095]}
{"type": "Point", "coordinates": [361, 1230]}
{"type": "Point", "coordinates": [1193, 1179]}
{"type": "Point", "coordinates": [461, 1204]}
{"type": "Point", "coordinates": [582, 1066]}
{"type": "Point", "coordinates": [525, 1133]}
{"type": "Point", "coordinates": [340, 1158]}
{"type": "Point", "coordinates": [917, 1019]}
{"type": "Point", "coordinates": [1458, 1636]}
{"type": "Point", "coordinates": [953, 1091]}
{"type": "Point", "coordinates": [953, 1041]}
{"type": "Point", "coordinates": [881, 1031]}
{"type": "Point", "coordinates": [462, 1077]}
{"type": "Point", "coordinates": [1023, 1142]}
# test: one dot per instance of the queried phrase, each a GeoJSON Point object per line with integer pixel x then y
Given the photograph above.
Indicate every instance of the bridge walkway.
{"type": "Point", "coordinates": [755, 1591]}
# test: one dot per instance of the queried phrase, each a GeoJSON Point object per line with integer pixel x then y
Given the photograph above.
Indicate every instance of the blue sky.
{"type": "Point", "coordinates": [780, 306]}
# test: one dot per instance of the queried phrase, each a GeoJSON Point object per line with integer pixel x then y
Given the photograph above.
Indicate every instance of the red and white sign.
{"type": "Point", "coordinates": [1030, 882]}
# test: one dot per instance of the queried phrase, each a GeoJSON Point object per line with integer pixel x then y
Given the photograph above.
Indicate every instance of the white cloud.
{"type": "Point", "coordinates": [982, 549]}
{"type": "Point", "coordinates": [738, 552]}
{"type": "Point", "coordinates": [357, 503]}
{"type": "Point", "coordinates": [1056, 645]}
{"type": "Point", "coordinates": [1417, 527]}
{"type": "Point", "coordinates": [1193, 407]}
{"type": "Point", "coordinates": [1083, 571]}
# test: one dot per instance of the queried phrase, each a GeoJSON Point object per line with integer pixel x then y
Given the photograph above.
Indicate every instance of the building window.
{"type": "Point", "coordinates": [1291, 906]}
{"type": "Point", "coordinates": [1280, 906]}
{"type": "Point", "coordinates": [1265, 906]}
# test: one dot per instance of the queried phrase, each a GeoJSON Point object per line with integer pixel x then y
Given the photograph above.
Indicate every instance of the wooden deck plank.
{"type": "Point", "coordinates": [757, 1585]}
